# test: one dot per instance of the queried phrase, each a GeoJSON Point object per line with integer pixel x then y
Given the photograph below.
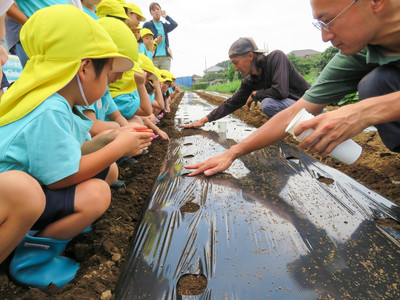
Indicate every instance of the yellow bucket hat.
{"type": "Point", "coordinates": [111, 8]}
{"type": "Point", "coordinates": [145, 31]}
{"type": "Point", "coordinates": [127, 83]}
{"type": "Point", "coordinates": [146, 63]}
{"type": "Point", "coordinates": [55, 53]}
{"type": "Point", "coordinates": [166, 75]}
{"type": "Point", "coordinates": [136, 9]}
{"type": "Point", "coordinates": [158, 74]}
{"type": "Point", "coordinates": [123, 38]}
{"type": "Point", "coordinates": [124, 4]}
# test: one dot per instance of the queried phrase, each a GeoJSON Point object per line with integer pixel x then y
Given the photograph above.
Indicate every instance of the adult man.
{"type": "Point", "coordinates": [368, 34]}
{"type": "Point", "coordinates": [271, 79]}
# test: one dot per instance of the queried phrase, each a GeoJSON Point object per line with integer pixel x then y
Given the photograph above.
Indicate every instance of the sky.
{"type": "Point", "coordinates": [207, 28]}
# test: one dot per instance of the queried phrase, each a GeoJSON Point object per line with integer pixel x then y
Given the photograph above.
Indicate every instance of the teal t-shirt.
{"type": "Point", "coordinates": [103, 107]}
{"type": "Point", "coordinates": [90, 13]}
{"type": "Point", "coordinates": [160, 51]}
{"type": "Point", "coordinates": [343, 73]}
{"type": "Point", "coordinates": [29, 7]}
{"type": "Point", "coordinates": [46, 143]}
{"type": "Point", "coordinates": [148, 53]}
{"type": "Point", "coordinates": [128, 104]}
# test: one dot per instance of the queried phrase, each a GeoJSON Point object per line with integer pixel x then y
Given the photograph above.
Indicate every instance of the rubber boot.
{"type": "Point", "coordinates": [37, 263]}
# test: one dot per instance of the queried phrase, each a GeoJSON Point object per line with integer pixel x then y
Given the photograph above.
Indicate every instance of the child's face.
{"type": "Point", "coordinates": [135, 19]}
{"type": "Point", "coordinates": [148, 41]}
{"type": "Point", "coordinates": [114, 76]}
{"type": "Point", "coordinates": [165, 85]}
{"type": "Point", "coordinates": [136, 32]}
{"type": "Point", "coordinates": [94, 86]}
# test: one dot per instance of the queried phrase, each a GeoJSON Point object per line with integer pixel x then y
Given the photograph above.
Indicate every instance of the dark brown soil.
{"type": "Point", "coordinates": [102, 252]}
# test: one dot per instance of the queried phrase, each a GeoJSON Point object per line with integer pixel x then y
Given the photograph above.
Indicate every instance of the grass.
{"type": "Point", "coordinates": [229, 87]}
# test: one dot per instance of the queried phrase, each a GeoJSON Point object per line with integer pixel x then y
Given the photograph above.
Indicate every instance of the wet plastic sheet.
{"type": "Point", "coordinates": [278, 224]}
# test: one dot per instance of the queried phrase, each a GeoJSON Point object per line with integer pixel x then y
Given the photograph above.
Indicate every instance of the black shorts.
{"type": "Point", "coordinates": [60, 203]}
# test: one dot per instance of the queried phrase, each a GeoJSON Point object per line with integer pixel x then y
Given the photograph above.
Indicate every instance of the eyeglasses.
{"type": "Point", "coordinates": [322, 25]}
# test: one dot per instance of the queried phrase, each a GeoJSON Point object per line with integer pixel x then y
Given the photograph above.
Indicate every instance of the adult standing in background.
{"type": "Point", "coordinates": [162, 56]}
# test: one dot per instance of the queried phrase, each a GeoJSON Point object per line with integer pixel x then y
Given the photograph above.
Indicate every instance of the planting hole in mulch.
{"type": "Point", "coordinates": [293, 159]}
{"type": "Point", "coordinates": [191, 285]}
{"type": "Point", "coordinates": [325, 180]}
{"type": "Point", "coordinates": [189, 207]}
{"type": "Point", "coordinates": [188, 144]}
{"type": "Point", "coordinates": [387, 222]}
{"type": "Point", "coordinates": [188, 156]}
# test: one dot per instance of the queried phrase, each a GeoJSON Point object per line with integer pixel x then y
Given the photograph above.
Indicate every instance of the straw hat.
{"type": "Point", "coordinates": [55, 53]}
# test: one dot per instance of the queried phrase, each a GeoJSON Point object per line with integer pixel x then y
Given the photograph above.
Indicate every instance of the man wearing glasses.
{"type": "Point", "coordinates": [368, 34]}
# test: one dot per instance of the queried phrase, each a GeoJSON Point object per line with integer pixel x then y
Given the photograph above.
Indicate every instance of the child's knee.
{"type": "Point", "coordinates": [112, 175]}
{"type": "Point", "coordinates": [92, 197]}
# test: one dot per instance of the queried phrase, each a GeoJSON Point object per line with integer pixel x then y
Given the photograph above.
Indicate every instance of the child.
{"type": "Point", "coordinates": [136, 33]}
{"type": "Point", "coordinates": [112, 8]}
{"type": "Point", "coordinates": [135, 15]}
{"type": "Point", "coordinates": [146, 47]}
{"type": "Point", "coordinates": [104, 112]}
{"type": "Point", "coordinates": [44, 135]}
{"type": "Point", "coordinates": [166, 75]}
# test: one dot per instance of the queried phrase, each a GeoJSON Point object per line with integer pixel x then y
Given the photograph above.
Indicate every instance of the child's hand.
{"type": "Point", "coordinates": [163, 135]}
{"type": "Point", "coordinates": [136, 127]}
{"type": "Point", "coordinates": [132, 142]}
{"type": "Point", "coordinates": [167, 109]}
{"type": "Point", "coordinates": [140, 78]}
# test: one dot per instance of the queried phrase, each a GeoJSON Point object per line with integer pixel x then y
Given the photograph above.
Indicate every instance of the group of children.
{"type": "Point", "coordinates": [85, 101]}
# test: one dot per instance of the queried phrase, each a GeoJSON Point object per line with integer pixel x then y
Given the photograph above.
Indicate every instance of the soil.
{"type": "Point", "coordinates": [102, 251]}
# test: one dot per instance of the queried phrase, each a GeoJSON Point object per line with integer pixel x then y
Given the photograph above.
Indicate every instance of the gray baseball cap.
{"type": "Point", "coordinates": [243, 46]}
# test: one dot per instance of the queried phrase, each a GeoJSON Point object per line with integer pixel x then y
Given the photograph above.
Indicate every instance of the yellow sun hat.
{"type": "Point", "coordinates": [145, 31]}
{"type": "Point", "coordinates": [158, 74]}
{"type": "Point", "coordinates": [125, 5]}
{"type": "Point", "coordinates": [136, 9]}
{"type": "Point", "coordinates": [127, 83]}
{"type": "Point", "coordinates": [166, 75]}
{"type": "Point", "coordinates": [146, 63]}
{"type": "Point", "coordinates": [111, 8]}
{"type": "Point", "coordinates": [55, 53]}
{"type": "Point", "coordinates": [123, 38]}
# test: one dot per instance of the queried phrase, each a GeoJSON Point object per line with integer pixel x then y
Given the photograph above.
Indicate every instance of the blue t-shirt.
{"type": "Point", "coordinates": [128, 104]}
{"type": "Point", "coordinates": [152, 97]}
{"type": "Point", "coordinates": [103, 107]}
{"type": "Point", "coordinates": [160, 50]}
{"type": "Point", "coordinates": [148, 53]}
{"type": "Point", "coordinates": [29, 7]}
{"type": "Point", "coordinates": [90, 13]}
{"type": "Point", "coordinates": [46, 143]}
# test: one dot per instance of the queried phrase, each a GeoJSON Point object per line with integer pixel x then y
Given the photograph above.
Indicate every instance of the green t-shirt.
{"type": "Point", "coordinates": [343, 73]}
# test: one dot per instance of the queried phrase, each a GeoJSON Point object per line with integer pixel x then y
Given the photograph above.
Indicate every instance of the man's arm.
{"type": "Point", "coordinates": [330, 129]}
{"type": "Point", "coordinates": [225, 108]}
{"type": "Point", "coordinates": [270, 133]}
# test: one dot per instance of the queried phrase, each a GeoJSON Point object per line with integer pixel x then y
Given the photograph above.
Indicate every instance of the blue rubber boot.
{"type": "Point", "coordinates": [37, 263]}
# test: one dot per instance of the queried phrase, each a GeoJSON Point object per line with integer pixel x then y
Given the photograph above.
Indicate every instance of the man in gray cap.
{"type": "Point", "coordinates": [271, 79]}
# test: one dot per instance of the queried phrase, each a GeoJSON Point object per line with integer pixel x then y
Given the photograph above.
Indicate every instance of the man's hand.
{"type": "Point", "coordinates": [212, 165]}
{"type": "Point", "coordinates": [196, 124]}
{"type": "Point", "coordinates": [250, 100]}
{"type": "Point", "coordinates": [331, 129]}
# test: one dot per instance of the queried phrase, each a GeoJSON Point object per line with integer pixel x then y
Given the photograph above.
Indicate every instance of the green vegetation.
{"type": "Point", "coordinates": [229, 87]}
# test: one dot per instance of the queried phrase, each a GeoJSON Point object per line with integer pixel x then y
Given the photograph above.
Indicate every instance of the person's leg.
{"type": "Point", "coordinates": [271, 107]}
{"type": "Point", "coordinates": [166, 63]}
{"type": "Point", "coordinates": [22, 202]}
{"type": "Point", "coordinates": [382, 81]}
{"type": "Point", "coordinates": [92, 198]}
